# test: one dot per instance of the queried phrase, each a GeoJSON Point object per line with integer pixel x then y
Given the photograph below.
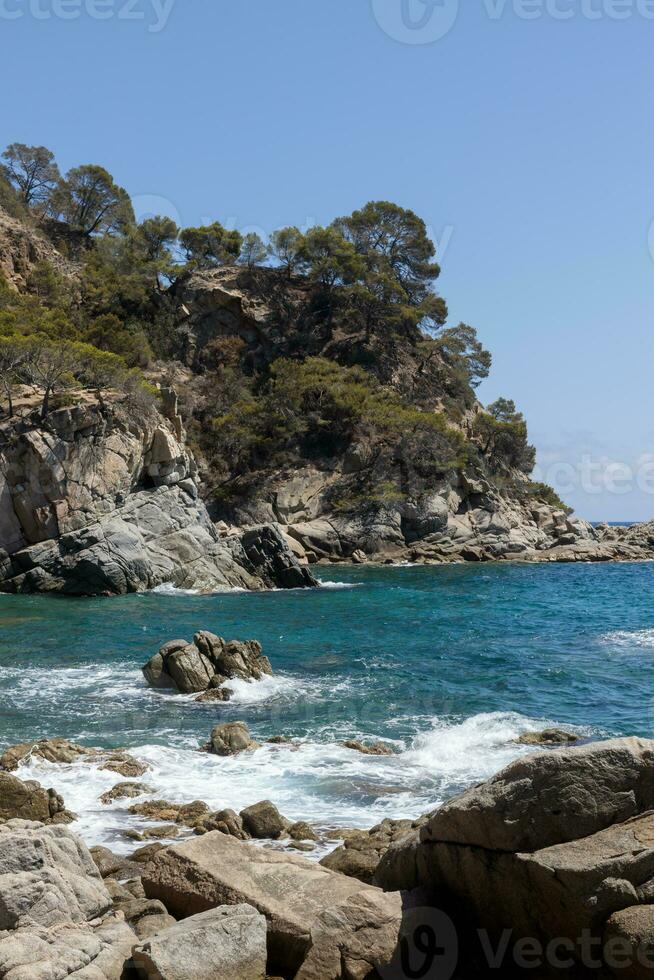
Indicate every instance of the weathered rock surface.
{"type": "Point", "coordinates": [56, 916]}
{"type": "Point", "coordinates": [29, 801]}
{"type": "Point", "coordinates": [355, 939]}
{"type": "Point", "coordinates": [550, 736]}
{"type": "Point", "coordinates": [264, 821]}
{"type": "Point", "coordinates": [230, 739]}
{"type": "Point", "coordinates": [224, 943]}
{"type": "Point", "coordinates": [290, 891]}
{"type": "Point", "coordinates": [104, 499]}
{"type": "Point", "coordinates": [205, 664]}
{"type": "Point", "coordinates": [360, 854]}
{"type": "Point", "coordinates": [551, 798]}
{"type": "Point", "coordinates": [558, 846]}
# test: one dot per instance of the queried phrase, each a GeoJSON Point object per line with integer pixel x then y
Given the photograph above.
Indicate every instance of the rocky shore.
{"type": "Point", "coordinates": [546, 870]}
{"type": "Point", "coordinates": [99, 500]}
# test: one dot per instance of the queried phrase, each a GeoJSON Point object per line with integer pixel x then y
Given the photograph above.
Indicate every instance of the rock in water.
{"type": "Point", "coordinates": [293, 893]}
{"type": "Point", "coordinates": [224, 943]}
{"type": "Point", "coordinates": [104, 500]}
{"type": "Point", "coordinates": [230, 739]}
{"type": "Point", "coordinates": [205, 665]}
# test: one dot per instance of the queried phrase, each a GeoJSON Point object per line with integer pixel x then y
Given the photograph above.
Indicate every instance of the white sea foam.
{"type": "Point", "coordinates": [630, 638]}
{"type": "Point", "coordinates": [167, 588]}
{"type": "Point", "coordinates": [326, 584]}
{"type": "Point", "coordinates": [315, 780]}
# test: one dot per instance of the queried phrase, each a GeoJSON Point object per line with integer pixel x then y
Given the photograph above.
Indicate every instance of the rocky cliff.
{"type": "Point", "coordinates": [102, 499]}
{"type": "Point", "coordinates": [361, 501]}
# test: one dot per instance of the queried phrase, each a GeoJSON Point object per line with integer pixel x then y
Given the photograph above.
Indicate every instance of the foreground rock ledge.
{"type": "Point", "coordinates": [559, 845]}
{"type": "Point", "coordinates": [293, 893]}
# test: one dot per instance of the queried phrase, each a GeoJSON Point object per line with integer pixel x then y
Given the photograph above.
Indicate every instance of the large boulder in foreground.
{"type": "Point", "coordinates": [555, 847]}
{"type": "Point", "coordinates": [224, 943]}
{"type": "Point", "coordinates": [56, 917]}
{"type": "Point", "coordinates": [551, 798]}
{"type": "Point", "coordinates": [205, 664]}
{"type": "Point", "coordinates": [290, 891]}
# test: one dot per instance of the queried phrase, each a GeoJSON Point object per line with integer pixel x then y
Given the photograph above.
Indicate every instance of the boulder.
{"type": "Point", "coordinates": [223, 943]}
{"type": "Point", "coordinates": [226, 821]}
{"type": "Point", "coordinates": [113, 866]}
{"type": "Point", "coordinates": [56, 916]}
{"type": "Point", "coordinates": [629, 942]}
{"type": "Point", "coordinates": [56, 750]}
{"type": "Point", "coordinates": [355, 940]}
{"type": "Point", "coordinates": [264, 821]}
{"type": "Point", "coordinates": [551, 798]}
{"type": "Point", "coordinates": [29, 801]}
{"type": "Point", "coordinates": [230, 739]}
{"type": "Point", "coordinates": [203, 666]}
{"type": "Point", "coordinates": [289, 890]}
{"type": "Point", "coordinates": [125, 765]}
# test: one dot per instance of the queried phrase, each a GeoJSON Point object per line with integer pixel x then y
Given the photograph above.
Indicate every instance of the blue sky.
{"type": "Point", "coordinates": [523, 135]}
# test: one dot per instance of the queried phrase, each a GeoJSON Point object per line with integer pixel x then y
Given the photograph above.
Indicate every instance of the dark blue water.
{"type": "Point", "coordinates": [448, 664]}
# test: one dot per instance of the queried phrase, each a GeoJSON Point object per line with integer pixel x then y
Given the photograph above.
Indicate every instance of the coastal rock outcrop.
{"type": "Point", "coordinates": [220, 944]}
{"type": "Point", "coordinates": [314, 915]}
{"type": "Point", "coordinates": [557, 847]}
{"type": "Point", "coordinates": [29, 801]}
{"type": "Point", "coordinates": [205, 664]}
{"type": "Point", "coordinates": [104, 499]}
{"type": "Point", "coordinates": [230, 739]}
{"type": "Point", "coordinates": [56, 915]}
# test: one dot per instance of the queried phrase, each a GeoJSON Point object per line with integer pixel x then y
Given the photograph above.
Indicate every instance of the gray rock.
{"type": "Point", "coordinates": [98, 502]}
{"type": "Point", "coordinates": [264, 821]}
{"type": "Point", "coordinates": [205, 665]}
{"type": "Point", "coordinates": [551, 798]}
{"type": "Point", "coordinates": [291, 891]}
{"type": "Point", "coordinates": [230, 739]}
{"type": "Point", "coordinates": [223, 943]}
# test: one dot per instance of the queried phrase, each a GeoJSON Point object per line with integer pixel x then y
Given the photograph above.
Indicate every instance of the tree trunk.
{"type": "Point", "coordinates": [46, 402]}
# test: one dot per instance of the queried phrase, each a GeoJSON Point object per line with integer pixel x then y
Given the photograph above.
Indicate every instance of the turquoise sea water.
{"type": "Point", "coordinates": [448, 664]}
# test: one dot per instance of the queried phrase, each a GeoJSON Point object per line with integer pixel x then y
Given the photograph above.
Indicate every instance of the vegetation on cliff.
{"type": "Point", "coordinates": [355, 355]}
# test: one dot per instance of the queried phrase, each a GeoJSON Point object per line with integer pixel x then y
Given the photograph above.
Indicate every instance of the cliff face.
{"type": "Point", "coordinates": [22, 247]}
{"type": "Point", "coordinates": [98, 499]}
{"type": "Point", "coordinates": [325, 505]}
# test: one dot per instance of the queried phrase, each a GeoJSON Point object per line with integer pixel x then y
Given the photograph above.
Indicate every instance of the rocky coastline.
{"type": "Point", "coordinates": [546, 869]}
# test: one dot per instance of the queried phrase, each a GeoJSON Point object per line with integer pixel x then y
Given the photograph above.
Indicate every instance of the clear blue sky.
{"type": "Point", "coordinates": [526, 144]}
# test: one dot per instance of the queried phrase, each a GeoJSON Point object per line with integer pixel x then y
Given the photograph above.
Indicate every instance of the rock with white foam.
{"type": "Point", "coordinates": [206, 664]}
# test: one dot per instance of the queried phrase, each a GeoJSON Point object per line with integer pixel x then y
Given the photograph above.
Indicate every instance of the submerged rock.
{"type": "Point", "coordinates": [124, 791]}
{"type": "Point", "coordinates": [205, 665]}
{"type": "Point", "coordinates": [551, 736]}
{"type": "Point", "coordinates": [377, 748]}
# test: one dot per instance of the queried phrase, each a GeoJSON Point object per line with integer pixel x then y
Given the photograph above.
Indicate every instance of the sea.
{"type": "Point", "coordinates": [447, 665]}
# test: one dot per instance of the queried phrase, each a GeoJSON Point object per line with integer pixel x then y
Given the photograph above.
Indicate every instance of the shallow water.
{"type": "Point", "coordinates": [448, 664]}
